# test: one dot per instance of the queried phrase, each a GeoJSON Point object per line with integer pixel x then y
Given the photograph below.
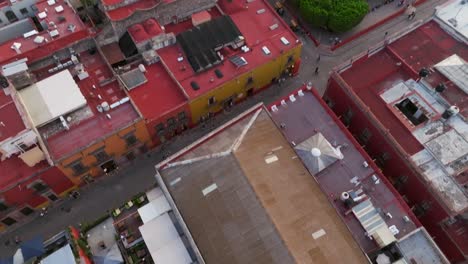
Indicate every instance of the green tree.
{"type": "Point", "coordinates": [336, 15]}
{"type": "Point", "coordinates": [314, 14]}
{"type": "Point", "coordinates": [347, 14]}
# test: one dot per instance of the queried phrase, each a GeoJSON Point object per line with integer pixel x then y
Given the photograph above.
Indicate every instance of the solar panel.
{"type": "Point", "coordinates": [201, 43]}
{"type": "Point", "coordinates": [238, 61]}
{"type": "Point", "coordinates": [133, 79]}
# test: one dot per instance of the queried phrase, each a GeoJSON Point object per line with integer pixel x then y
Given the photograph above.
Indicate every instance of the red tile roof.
{"type": "Point", "coordinates": [256, 30]}
{"type": "Point", "coordinates": [97, 126]}
{"type": "Point", "coordinates": [111, 2]}
{"type": "Point", "coordinates": [159, 95]}
{"type": "Point", "coordinates": [11, 121]}
{"type": "Point", "coordinates": [34, 51]}
{"type": "Point", "coordinates": [200, 17]}
{"type": "Point", "coordinates": [128, 10]}
{"type": "Point", "coordinates": [144, 31]}
{"type": "Point", "coordinates": [13, 170]}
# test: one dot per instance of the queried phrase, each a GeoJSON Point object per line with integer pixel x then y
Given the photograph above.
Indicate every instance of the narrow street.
{"type": "Point", "coordinates": [109, 192]}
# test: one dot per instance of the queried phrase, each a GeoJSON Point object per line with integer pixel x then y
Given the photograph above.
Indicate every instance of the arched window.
{"type": "Point", "coordinates": [11, 16]}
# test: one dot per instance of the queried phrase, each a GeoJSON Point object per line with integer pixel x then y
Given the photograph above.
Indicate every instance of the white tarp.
{"type": "Point", "coordinates": [154, 209]}
{"type": "Point", "coordinates": [163, 241]}
{"type": "Point", "coordinates": [154, 193]}
{"type": "Point", "coordinates": [456, 70]}
{"type": "Point", "coordinates": [52, 97]}
{"type": "Point", "coordinates": [63, 255]}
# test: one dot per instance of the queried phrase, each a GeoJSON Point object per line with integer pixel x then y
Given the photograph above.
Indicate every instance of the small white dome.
{"type": "Point", "coordinates": [316, 152]}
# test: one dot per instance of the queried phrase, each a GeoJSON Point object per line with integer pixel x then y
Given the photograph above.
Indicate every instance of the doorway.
{"type": "Point", "coordinates": [109, 166]}
{"type": "Point", "coordinates": [250, 92]}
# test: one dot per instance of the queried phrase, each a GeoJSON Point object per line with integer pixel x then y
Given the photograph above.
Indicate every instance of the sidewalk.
{"type": "Point", "coordinates": [378, 15]}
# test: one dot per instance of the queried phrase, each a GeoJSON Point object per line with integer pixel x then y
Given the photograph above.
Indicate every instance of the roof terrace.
{"type": "Point", "coordinates": [260, 27]}
{"type": "Point", "coordinates": [253, 213]}
{"type": "Point", "coordinates": [158, 95]}
{"type": "Point", "coordinates": [59, 27]}
{"type": "Point", "coordinates": [11, 122]}
{"type": "Point", "coordinates": [106, 109]}
{"type": "Point", "coordinates": [304, 117]}
{"type": "Point", "coordinates": [342, 169]}
{"type": "Point", "coordinates": [426, 118]}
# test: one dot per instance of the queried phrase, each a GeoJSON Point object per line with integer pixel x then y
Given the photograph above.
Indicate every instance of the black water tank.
{"type": "Point", "coordinates": [440, 87]}
{"type": "Point", "coordinates": [3, 82]}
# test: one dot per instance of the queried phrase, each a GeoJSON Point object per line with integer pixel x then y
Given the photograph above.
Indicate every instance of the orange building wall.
{"type": "Point", "coordinates": [114, 145]}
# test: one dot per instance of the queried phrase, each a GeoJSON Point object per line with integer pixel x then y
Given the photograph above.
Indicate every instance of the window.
{"type": "Point", "coordinates": [365, 136]}
{"type": "Point", "coordinates": [11, 16]}
{"type": "Point", "coordinates": [382, 159]}
{"type": "Point", "coordinates": [212, 100]}
{"type": "Point", "coordinates": [159, 129]}
{"type": "Point", "coordinates": [348, 115]}
{"type": "Point", "coordinates": [329, 102]}
{"type": "Point", "coordinates": [24, 11]}
{"type": "Point", "coordinates": [52, 197]}
{"type": "Point", "coordinates": [27, 211]}
{"type": "Point", "coordinates": [34, 8]}
{"type": "Point", "coordinates": [249, 80]}
{"type": "Point", "coordinates": [8, 221]}
{"type": "Point", "coordinates": [39, 187]}
{"type": "Point", "coordinates": [415, 115]}
{"type": "Point", "coordinates": [101, 155]}
{"type": "Point", "coordinates": [171, 122]}
{"type": "Point", "coordinates": [131, 139]}
{"type": "Point", "coordinates": [421, 209]}
{"type": "Point", "coordinates": [130, 155]}
{"type": "Point", "coordinates": [3, 206]}
{"type": "Point", "coordinates": [181, 116]}
{"type": "Point", "coordinates": [78, 167]}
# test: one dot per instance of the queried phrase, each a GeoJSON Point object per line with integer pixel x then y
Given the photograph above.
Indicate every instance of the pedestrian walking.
{"type": "Point", "coordinates": [316, 70]}
{"type": "Point", "coordinates": [318, 58]}
{"type": "Point", "coordinates": [17, 240]}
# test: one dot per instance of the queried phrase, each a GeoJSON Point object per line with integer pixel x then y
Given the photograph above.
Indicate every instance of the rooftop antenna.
{"type": "Point", "coordinates": [454, 19]}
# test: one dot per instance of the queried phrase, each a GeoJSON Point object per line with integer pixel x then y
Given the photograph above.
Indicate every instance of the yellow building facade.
{"type": "Point", "coordinates": [244, 85]}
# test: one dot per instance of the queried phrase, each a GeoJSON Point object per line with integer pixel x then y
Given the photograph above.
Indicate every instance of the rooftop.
{"type": "Point", "coordinates": [236, 178]}
{"type": "Point", "coordinates": [125, 11]}
{"type": "Point", "coordinates": [307, 117]}
{"type": "Point", "coordinates": [413, 112]}
{"type": "Point", "coordinates": [254, 27]}
{"type": "Point", "coordinates": [144, 31]}
{"type": "Point", "coordinates": [158, 95]}
{"type": "Point", "coordinates": [13, 170]}
{"type": "Point", "coordinates": [454, 14]}
{"type": "Point", "coordinates": [11, 122]}
{"type": "Point", "coordinates": [106, 111]}
{"type": "Point", "coordinates": [163, 235]}
{"type": "Point", "coordinates": [61, 26]}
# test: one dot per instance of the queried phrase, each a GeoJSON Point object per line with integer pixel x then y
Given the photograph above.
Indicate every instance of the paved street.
{"type": "Point", "coordinates": [109, 192]}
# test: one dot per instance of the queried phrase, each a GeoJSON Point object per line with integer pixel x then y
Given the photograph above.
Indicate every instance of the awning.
{"type": "Point", "coordinates": [154, 209]}
{"type": "Point", "coordinates": [32, 156]}
{"type": "Point", "coordinates": [163, 241]}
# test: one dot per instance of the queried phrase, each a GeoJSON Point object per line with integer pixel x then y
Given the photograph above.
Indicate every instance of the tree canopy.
{"type": "Point", "coordinates": [336, 15]}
